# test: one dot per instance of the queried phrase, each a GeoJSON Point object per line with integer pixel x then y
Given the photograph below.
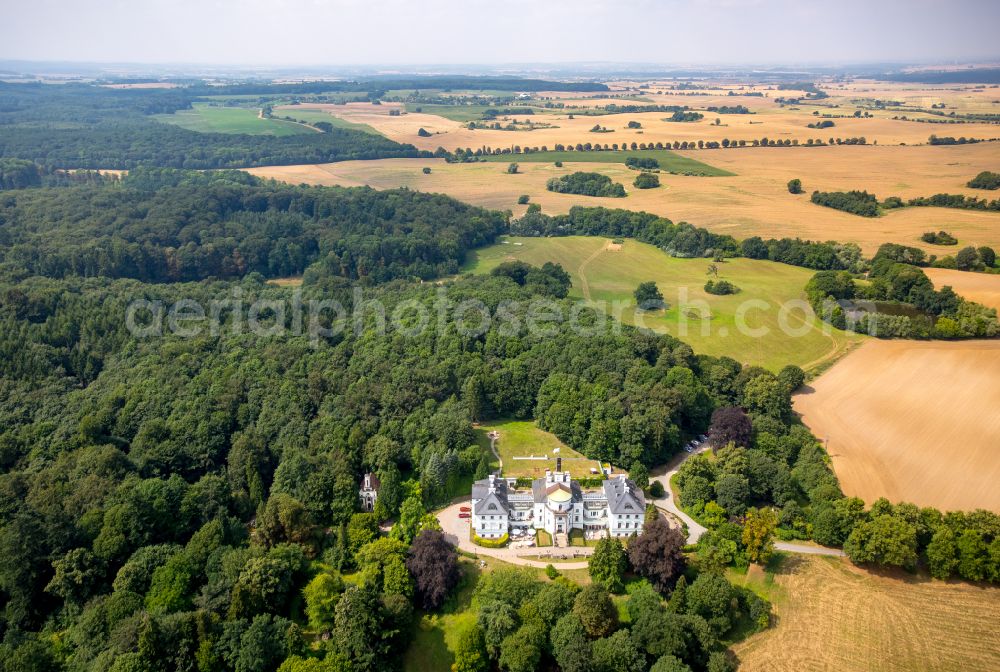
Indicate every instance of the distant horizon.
{"type": "Point", "coordinates": [346, 33]}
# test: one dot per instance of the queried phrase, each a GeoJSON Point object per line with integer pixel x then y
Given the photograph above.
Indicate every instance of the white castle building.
{"type": "Point", "coordinates": [556, 504]}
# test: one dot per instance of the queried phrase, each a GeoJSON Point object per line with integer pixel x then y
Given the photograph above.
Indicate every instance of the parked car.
{"type": "Point", "coordinates": [465, 515]}
{"type": "Point", "coordinates": [465, 509]}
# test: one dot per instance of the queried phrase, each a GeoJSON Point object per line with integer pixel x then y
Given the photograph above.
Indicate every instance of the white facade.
{"type": "Point", "coordinates": [558, 505]}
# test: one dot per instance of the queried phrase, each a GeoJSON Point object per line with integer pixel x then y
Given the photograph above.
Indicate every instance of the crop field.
{"type": "Point", "coordinates": [979, 287]}
{"type": "Point", "coordinates": [606, 273]}
{"type": "Point", "coordinates": [754, 201]}
{"type": "Point", "coordinates": [211, 119]}
{"type": "Point", "coordinates": [669, 161]}
{"type": "Point", "coordinates": [912, 421]}
{"type": "Point", "coordinates": [524, 439]}
{"type": "Point", "coordinates": [768, 121]}
{"type": "Point", "coordinates": [832, 615]}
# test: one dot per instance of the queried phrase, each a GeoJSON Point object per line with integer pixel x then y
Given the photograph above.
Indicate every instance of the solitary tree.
{"type": "Point", "coordinates": [512, 169]}
{"type": "Point", "coordinates": [729, 425]}
{"type": "Point", "coordinates": [795, 186]}
{"type": "Point", "coordinates": [648, 296]}
{"type": "Point", "coordinates": [656, 554]}
{"type": "Point", "coordinates": [433, 563]}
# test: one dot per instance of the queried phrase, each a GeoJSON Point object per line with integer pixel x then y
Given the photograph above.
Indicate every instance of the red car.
{"type": "Point", "coordinates": [465, 509]}
{"type": "Point", "coordinates": [465, 515]}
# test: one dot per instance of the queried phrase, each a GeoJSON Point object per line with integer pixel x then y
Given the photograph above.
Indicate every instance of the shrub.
{"type": "Point", "coordinates": [643, 162]}
{"type": "Point", "coordinates": [523, 199]}
{"type": "Point", "coordinates": [720, 287]}
{"type": "Point", "coordinates": [427, 171]}
{"type": "Point", "coordinates": [499, 542]}
{"type": "Point", "coordinates": [512, 169]}
{"type": "Point", "coordinates": [646, 181]}
{"type": "Point", "coordinates": [985, 180]}
{"type": "Point", "coordinates": [795, 186]}
{"type": "Point", "coordinates": [939, 238]}
{"type": "Point", "coordinates": [586, 184]}
{"type": "Point", "coordinates": [423, 133]}
{"type": "Point", "coordinates": [855, 202]}
{"type": "Point", "coordinates": [551, 571]}
{"type": "Point", "coordinates": [656, 489]}
{"type": "Point", "coordinates": [558, 164]}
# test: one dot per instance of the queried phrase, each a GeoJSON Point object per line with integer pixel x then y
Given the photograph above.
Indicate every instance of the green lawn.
{"type": "Point", "coordinates": [524, 438]}
{"type": "Point", "coordinates": [543, 539]}
{"type": "Point", "coordinates": [712, 325]}
{"type": "Point", "coordinates": [669, 161]}
{"type": "Point", "coordinates": [211, 119]}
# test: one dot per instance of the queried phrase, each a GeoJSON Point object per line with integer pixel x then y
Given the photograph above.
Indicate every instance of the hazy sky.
{"type": "Point", "coordinates": [329, 32]}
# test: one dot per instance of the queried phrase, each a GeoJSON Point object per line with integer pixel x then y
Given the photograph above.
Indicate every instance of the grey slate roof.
{"type": "Point", "coordinates": [621, 502]}
{"type": "Point", "coordinates": [481, 491]}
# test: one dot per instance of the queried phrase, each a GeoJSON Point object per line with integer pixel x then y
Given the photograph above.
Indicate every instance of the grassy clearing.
{"type": "Point", "coordinates": [669, 161]}
{"type": "Point", "coordinates": [313, 116]}
{"type": "Point", "coordinates": [520, 438]}
{"type": "Point", "coordinates": [608, 277]}
{"type": "Point", "coordinates": [211, 119]}
{"type": "Point", "coordinates": [832, 615]}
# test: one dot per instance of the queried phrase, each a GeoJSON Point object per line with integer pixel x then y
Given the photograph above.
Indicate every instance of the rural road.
{"type": "Point", "coordinates": [695, 529]}
{"type": "Point", "coordinates": [456, 529]}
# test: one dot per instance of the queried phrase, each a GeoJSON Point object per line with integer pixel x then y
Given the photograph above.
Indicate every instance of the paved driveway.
{"type": "Point", "coordinates": [456, 530]}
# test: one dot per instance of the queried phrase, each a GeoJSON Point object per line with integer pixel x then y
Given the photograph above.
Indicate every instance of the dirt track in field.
{"type": "Point", "coordinates": [913, 421]}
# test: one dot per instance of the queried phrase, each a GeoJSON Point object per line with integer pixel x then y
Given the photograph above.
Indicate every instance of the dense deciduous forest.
{"type": "Point", "coordinates": [80, 126]}
{"type": "Point", "coordinates": [190, 502]}
{"type": "Point", "coordinates": [168, 226]}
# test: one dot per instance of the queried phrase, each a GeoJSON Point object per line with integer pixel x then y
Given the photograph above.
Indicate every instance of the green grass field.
{"type": "Point", "coordinates": [669, 161]}
{"type": "Point", "coordinates": [520, 438]}
{"type": "Point", "coordinates": [211, 119]}
{"type": "Point", "coordinates": [313, 116]}
{"type": "Point", "coordinates": [712, 325]}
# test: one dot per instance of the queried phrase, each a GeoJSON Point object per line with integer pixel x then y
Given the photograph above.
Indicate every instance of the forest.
{"type": "Point", "coordinates": [171, 226]}
{"type": "Point", "coordinates": [82, 126]}
{"type": "Point", "coordinates": [189, 502]}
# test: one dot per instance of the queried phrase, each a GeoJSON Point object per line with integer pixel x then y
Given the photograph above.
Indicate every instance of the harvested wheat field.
{"type": "Point", "coordinates": [767, 122]}
{"type": "Point", "coordinates": [979, 287]}
{"type": "Point", "coordinates": [833, 616]}
{"type": "Point", "coordinates": [755, 201]}
{"type": "Point", "coordinates": [912, 421]}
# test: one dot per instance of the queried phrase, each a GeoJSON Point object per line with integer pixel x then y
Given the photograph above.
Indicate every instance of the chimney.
{"type": "Point", "coordinates": [493, 487]}
{"type": "Point", "coordinates": [558, 464]}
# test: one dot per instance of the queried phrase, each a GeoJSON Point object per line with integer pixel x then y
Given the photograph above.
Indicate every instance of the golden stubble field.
{"type": "Point", "coordinates": [912, 421]}
{"type": "Point", "coordinates": [979, 287]}
{"type": "Point", "coordinates": [769, 121]}
{"type": "Point", "coordinates": [835, 617]}
{"type": "Point", "coordinates": [755, 201]}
